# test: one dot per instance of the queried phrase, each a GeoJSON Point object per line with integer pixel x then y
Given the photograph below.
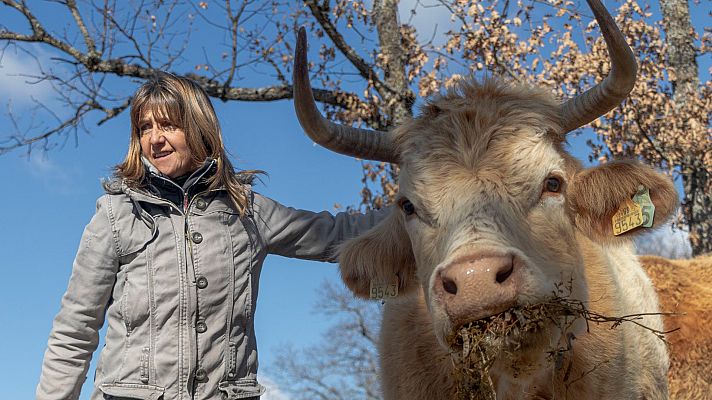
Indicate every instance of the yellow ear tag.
{"type": "Point", "coordinates": [642, 197]}
{"type": "Point", "coordinates": [629, 216]}
{"type": "Point", "coordinates": [380, 291]}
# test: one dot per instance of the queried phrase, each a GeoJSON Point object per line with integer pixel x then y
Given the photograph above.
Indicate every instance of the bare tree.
{"type": "Point", "coordinates": [344, 364]}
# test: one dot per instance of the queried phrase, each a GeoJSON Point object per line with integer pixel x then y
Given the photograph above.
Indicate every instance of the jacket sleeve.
{"type": "Point", "coordinates": [305, 234]}
{"type": "Point", "coordinates": [75, 332]}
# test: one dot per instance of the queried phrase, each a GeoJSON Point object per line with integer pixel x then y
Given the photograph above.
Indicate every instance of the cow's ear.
{"type": "Point", "coordinates": [595, 195]}
{"type": "Point", "coordinates": [381, 255]}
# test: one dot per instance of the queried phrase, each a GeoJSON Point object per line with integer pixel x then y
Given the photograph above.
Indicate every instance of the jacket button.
{"type": "Point", "coordinates": [197, 237]}
{"type": "Point", "coordinates": [231, 375]}
{"type": "Point", "coordinates": [201, 375]}
{"type": "Point", "coordinates": [201, 327]}
{"type": "Point", "coordinates": [201, 204]}
{"type": "Point", "coordinates": [202, 282]}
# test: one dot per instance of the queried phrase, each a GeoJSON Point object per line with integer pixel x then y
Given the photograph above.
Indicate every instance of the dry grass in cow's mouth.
{"type": "Point", "coordinates": [482, 341]}
{"type": "Point", "coordinates": [478, 344]}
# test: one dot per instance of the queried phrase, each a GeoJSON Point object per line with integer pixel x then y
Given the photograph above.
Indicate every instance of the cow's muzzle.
{"type": "Point", "coordinates": [478, 286]}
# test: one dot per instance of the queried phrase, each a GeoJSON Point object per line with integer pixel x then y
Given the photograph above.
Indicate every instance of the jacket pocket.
{"type": "Point", "coordinates": [135, 233]}
{"type": "Point", "coordinates": [135, 308]}
{"type": "Point", "coordinates": [121, 391]}
{"type": "Point", "coordinates": [242, 246]}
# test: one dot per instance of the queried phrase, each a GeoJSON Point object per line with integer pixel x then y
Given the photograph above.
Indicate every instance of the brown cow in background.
{"type": "Point", "coordinates": [685, 287]}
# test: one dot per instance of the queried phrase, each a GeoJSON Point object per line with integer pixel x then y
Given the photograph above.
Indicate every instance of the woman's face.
{"type": "Point", "coordinates": [164, 145]}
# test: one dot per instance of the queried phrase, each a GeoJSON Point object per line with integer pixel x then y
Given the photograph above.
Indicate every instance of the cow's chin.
{"type": "Point", "coordinates": [522, 337]}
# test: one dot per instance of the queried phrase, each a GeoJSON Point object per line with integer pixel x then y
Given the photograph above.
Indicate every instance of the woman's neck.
{"type": "Point", "coordinates": [180, 180]}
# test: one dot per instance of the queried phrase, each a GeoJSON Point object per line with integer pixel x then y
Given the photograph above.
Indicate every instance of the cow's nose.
{"type": "Point", "coordinates": [476, 287]}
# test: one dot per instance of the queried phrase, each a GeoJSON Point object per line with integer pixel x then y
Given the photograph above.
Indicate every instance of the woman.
{"type": "Point", "coordinates": [172, 260]}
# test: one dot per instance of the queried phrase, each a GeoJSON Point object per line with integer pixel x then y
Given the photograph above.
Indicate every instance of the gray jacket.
{"type": "Point", "coordinates": [178, 289]}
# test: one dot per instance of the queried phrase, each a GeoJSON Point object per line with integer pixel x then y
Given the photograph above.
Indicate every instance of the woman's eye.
{"type": "Point", "coordinates": [407, 207]}
{"type": "Point", "coordinates": [552, 184]}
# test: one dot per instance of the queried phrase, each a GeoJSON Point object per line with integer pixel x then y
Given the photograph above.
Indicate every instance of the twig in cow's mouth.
{"type": "Point", "coordinates": [478, 344]}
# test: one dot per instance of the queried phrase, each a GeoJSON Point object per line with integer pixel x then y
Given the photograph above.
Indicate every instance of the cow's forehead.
{"type": "Point", "coordinates": [467, 120]}
{"type": "Point", "coordinates": [486, 136]}
{"type": "Point", "coordinates": [479, 123]}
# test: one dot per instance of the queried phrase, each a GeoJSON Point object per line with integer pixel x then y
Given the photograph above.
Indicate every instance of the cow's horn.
{"type": "Point", "coordinates": [354, 142]}
{"type": "Point", "coordinates": [603, 97]}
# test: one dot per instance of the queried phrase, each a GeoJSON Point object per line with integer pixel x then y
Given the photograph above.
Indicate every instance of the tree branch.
{"type": "Point", "coordinates": [321, 15]}
{"type": "Point", "coordinates": [73, 121]}
{"type": "Point", "coordinates": [39, 34]}
{"type": "Point", "coordinates": [648, 137]}
{"type": "Point", "coordinates": [88, 40]}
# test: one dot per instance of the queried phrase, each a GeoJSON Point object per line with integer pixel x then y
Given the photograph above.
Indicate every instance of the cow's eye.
{"type": "Point", "coordinates": [552, 184]}
{"type": "Point", "coordinates": [407, 207]}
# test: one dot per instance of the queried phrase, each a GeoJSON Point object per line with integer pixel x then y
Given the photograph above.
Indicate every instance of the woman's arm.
{"type": "Point", "coordinates": [75, 332]}
{"type": "Point", "coordinates": [308, 235]}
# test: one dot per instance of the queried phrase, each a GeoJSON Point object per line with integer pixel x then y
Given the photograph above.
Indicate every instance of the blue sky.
{"type": "Point", "coordinates": [49, 197]}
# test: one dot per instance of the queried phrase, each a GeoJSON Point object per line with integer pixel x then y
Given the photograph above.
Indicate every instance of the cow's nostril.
{"type": "Point", "coordinates": [505, 273]}
{"type": "Point", "coordinates": [449, 285]}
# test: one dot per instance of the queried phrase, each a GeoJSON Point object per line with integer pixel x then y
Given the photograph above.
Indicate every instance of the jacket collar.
{"type": "Point", "coordinates": [158, 186]}
{"type": "Point", "coordinates": [201, 175]}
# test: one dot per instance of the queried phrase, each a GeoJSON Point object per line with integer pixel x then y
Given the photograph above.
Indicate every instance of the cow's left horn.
{"type": "Point", "coordinates": [354, 142]}
{"type": "Point", "coordinates": [603, 97]}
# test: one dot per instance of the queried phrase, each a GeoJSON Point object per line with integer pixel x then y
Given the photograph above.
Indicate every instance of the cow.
{"type": "Point", "coordinates": [494, 217]}
{"type": "Point", "coordinates": [685, 291]}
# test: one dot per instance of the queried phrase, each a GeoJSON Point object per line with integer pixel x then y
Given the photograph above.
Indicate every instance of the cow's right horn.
{"type": "Point", "coordinates": [354, 142]}
{"type": "Point", "coordinates": [614, 88]}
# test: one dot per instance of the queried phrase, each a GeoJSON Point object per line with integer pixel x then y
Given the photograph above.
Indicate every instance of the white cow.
{"type": "Point", "coordinates": [494, 217]}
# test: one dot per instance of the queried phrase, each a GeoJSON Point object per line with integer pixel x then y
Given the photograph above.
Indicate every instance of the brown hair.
{"type": "Point", "coordinates": [186, 105]}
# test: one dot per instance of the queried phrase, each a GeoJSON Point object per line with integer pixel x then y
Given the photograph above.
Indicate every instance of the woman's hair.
{"type": "Point", "coordinates": [187, 106]}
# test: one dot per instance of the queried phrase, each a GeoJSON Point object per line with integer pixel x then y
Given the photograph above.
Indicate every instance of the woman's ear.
{"type": "Point", "coordinates": [382, 255]}
{"type": "Point", "coordinates": [595, 196]}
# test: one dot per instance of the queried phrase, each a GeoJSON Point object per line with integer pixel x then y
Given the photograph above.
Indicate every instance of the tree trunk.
{"type": "Point", "coordinates": [682, 68]}
{"type": "Point", "coordinates": [399, 98]}
{"type": "Point", "coordinates": [681, 51]}
{"type": "Point", "coordinates": [697, 208]}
